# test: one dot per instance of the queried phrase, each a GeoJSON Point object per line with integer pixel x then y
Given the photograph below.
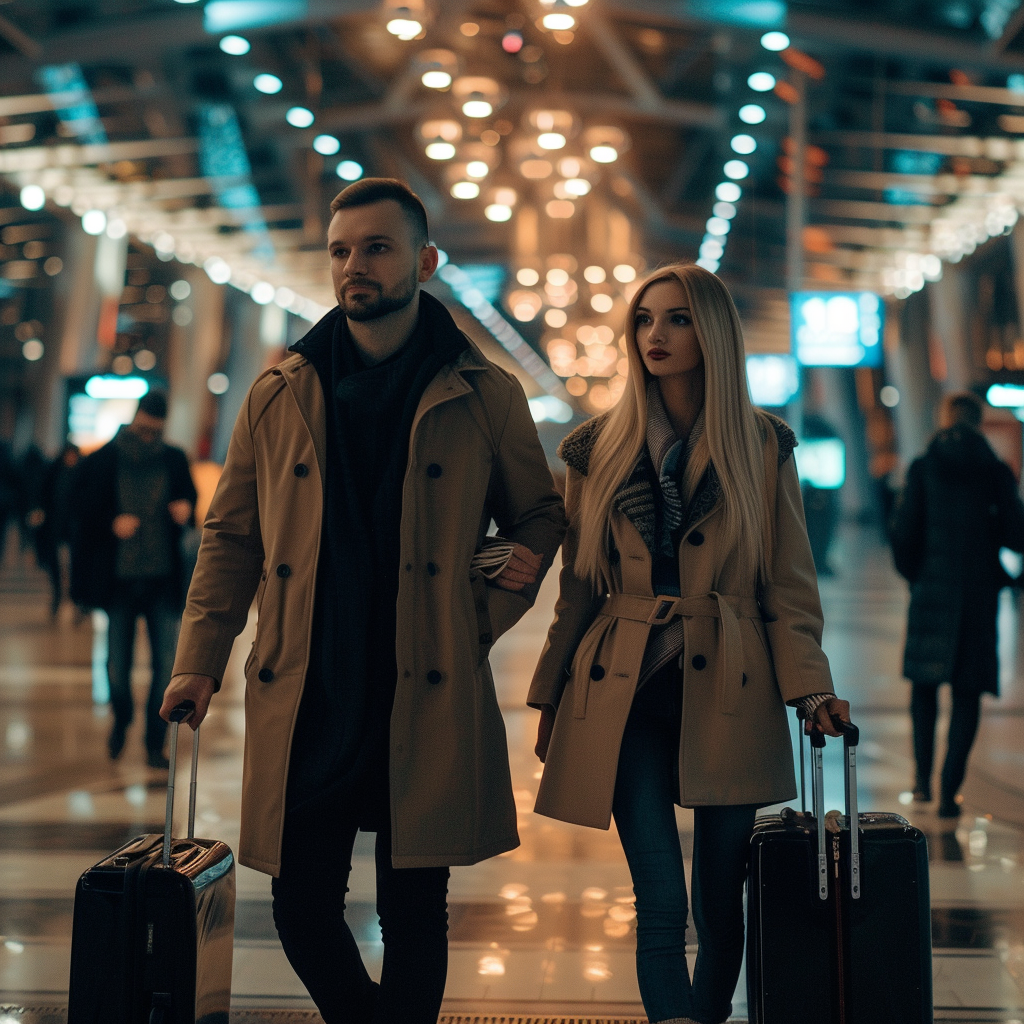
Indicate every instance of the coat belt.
{"type": "Point", "coordinates": [662, 609]}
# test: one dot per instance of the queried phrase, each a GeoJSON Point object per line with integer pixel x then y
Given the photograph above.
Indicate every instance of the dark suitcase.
{"type": "Point", "coordinates": [838, 922]}
{"type": "Point", "coordinates": [151, 941]}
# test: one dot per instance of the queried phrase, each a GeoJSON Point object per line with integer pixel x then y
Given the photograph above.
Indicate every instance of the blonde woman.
{"type": "Point", "coordinates": [688, 619]}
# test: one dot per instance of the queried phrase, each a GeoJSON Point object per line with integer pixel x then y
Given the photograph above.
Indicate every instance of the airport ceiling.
{"type": "Point", "coordinates": [914, 115]}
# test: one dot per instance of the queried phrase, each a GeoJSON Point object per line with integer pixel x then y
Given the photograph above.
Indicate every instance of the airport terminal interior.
{"type": "Point", "coordinates": [852, 170]}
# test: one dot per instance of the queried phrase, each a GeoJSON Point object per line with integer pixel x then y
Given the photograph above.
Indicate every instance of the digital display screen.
{"type": "Point", "coordinates": [774, 380]}
{"type": "Point", "coordinates": [836, 328]}
{"type": "Point", "coordinates": [821, 462]}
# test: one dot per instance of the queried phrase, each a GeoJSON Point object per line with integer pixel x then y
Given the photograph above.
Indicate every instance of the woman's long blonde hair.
{"type": "Point", "coordinates": [732, 439]}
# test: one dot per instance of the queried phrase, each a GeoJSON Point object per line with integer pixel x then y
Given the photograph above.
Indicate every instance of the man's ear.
{"type": "Point", "coordinates": [428, 262]}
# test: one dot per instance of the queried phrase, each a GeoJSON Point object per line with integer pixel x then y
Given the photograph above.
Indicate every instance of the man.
{"type": "Point", "coordinates": [362, 476]}
{"type": "Point", "coordinates": [135, 495]}
{"type": "Point", "coordinates": [959, 507]}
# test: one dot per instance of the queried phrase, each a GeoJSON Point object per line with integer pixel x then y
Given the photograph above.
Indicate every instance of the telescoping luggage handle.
{"type": "Point", "coordinates": [851, 737]}
{"type": "Point", "coordinates": [181, 713]}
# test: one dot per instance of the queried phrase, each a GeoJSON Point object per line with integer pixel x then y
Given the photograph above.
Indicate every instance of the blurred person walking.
{"type": "Point", "coordinates": [360, 482]}
{"type": "Point", "coordinates": [133, 498]}
{"type": "Point", "coordinates": [51, 521]}
{"type": "Point", "coordinates": [959, 506]}
{"type": "Point", "coordinates": [688, 618]}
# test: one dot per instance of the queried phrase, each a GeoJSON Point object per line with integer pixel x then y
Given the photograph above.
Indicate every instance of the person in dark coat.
{"type": "Point", "coordinates": [134, 497]}
{"type": "Point", "coordinates": [51, 520]}
{"type": "Point", "coordinates": [960, 505]}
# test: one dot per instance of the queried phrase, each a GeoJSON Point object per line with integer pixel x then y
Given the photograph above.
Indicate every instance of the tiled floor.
{"type": "Point", "coordinates": [545, 931]}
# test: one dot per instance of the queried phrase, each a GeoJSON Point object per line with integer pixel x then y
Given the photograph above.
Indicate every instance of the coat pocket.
{"type": "Point", "coordinates": [582, 671]}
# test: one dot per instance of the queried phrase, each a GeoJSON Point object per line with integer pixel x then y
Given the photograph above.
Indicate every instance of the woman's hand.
{"type": "Point", "coordinates": [825, 713]}
{"type": "Point", "coordinates": [544, 727]}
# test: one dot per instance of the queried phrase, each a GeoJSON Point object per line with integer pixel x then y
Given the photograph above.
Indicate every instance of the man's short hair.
{"type": "Point", "coordinates": [154, 403]}
{"type": "Point", "coordinates": [963, 407]}
{"type": "Point", "coordinates": [376, 190]}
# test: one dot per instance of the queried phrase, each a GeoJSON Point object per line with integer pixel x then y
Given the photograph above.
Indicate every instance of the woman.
{"type": "Point", "coordinates": [688, 618]}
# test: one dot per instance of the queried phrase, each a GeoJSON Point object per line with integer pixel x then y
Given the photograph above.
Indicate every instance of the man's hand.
{"type": "Point", "coordinates": [521, 570]}
{"type": "Point", "coordinates": [547, 723]}
{"type": "Point", "coordinates": [188, 687]}
{"type": "Point", "coordinates": [823, 715]}
{"type": "Point", "coordinates": [181, 511]}
{"type": "Point", "coordinates": [126, 526]}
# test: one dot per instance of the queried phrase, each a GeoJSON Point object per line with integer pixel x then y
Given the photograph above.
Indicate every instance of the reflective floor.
{"type": "Point", "coordinates": [547, 929]}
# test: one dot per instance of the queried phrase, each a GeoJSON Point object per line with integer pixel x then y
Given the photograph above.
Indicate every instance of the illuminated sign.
{"type": "Point", "coordinates": [110, 386]}
{"type": "Point", "coordinates": [774, 380]}
{"type": "Point", "coordinates": [821, 462]}
{"type": "Point", "coordinates": [836, 328]}
{"type": "Point", "coordinates": [1005, 396]}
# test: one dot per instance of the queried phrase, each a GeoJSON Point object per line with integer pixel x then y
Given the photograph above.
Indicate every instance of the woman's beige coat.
{"type": "Point", "coordinates": [473, 454]}
{"type": "Point", "coordinates": [739, 668]}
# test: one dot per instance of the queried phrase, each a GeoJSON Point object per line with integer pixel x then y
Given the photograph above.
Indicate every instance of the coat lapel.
{"type": "Point", "coordinates": [304, 384]}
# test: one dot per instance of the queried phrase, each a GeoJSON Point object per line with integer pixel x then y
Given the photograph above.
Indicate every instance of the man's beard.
{"type": "Point", "coordinates": [374, 306]}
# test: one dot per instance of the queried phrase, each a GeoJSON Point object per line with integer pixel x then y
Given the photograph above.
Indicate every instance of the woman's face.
{"type": "Point", "coordinates": [664, 330]}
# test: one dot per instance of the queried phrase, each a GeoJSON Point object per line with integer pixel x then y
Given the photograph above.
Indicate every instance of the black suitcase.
{"type": "Point", "coordinates": [151, 941]}
{"type": "Point", "coordinates": [838, 922]}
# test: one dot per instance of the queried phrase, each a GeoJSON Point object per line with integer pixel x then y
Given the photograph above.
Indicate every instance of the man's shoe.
{"type": "Point", "coordinates": [948, 807]}
{"type": "Point", "coordinates": [155, 759]}
{"type": "Point", "coordinates": [115, 744]}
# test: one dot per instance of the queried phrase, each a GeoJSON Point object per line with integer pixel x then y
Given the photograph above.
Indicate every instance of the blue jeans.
{"type": "Point", "coordinates": [646, 789]}
{"type": "Point", "coordinates": [309, 912]}
{"type": "Point", "coordinates": [151, 600]}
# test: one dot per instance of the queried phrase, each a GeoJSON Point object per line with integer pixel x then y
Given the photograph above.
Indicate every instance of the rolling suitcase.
{"type": "Point", "coordinates": [151, 940]}
{"type": "Point", "coordinates": [838, 921]}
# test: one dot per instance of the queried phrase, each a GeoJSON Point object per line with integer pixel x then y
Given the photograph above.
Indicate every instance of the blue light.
{"type": "Point", "coordinates": [300, 117]}
{"type": "Point", "coordinates": [77, 111]}
{"type": "Point", "coordinates": [232, 15]}
{"type": "Point", "coordinates": [108, 386]}
{"type": "Point", "coordinates": [836, 328]}
{"type": "Point", "coordinates": [774, 380]}
{"type": "Point", "coordinates": [821, 462]}
{"type": "Point", "coordinates": [1005, 396]}
{"type": "Point", "coordinates": [349, 170]}
{"type": "Point", "coordinates": [268, 84]}
{"type": "Point", "coordinates": [236, 46]}
{"type": "Point", "coordinates": [326, 145]}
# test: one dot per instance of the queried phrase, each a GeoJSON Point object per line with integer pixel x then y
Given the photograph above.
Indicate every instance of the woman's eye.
{"type": "Point", "coordinates": [681, 320]}
{"type": "Point", "coordinates": [642, 319]}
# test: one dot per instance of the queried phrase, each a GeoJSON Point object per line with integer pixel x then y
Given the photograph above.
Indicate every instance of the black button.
{"type": "Point", "coordinates": [696, 538]}
{"type": "Point", "coordinates": [284, 571]}
{"type": "Point", "coordinates": [699, 661]}
{"type": "Point", "coordinates": [408, 566]}
{"type": "Point", "coordinates": [265, 675]}
{"type": "Point", "coordinates": [614, 557]}
{"type": "Point", "coordinates": [433, 677]}
{"type": "Point", "coordinates": [302, 470]}
{"type": "Point", "coordinates": [431, 568]}
{"type": "Point", "coordinates": [744, 678]}
{"type": "Point", "coordinates": [406, 673]}
{"type": "Point", "coordinates": [485, 638]}
{"type": "Point", "coordinates": [596, 672]}
{"type": "Point", "coordinates": [434, 471]}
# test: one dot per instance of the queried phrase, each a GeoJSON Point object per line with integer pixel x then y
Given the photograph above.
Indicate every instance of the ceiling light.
{"type": "Point", "coordinates": [717, 226]}
{"type": "Point", "coordinates": [32, 350]}
{"type": "Point", "coordinates": [775, 41]}
{"type": "Point", "coordinates": [262, 293]}
{"type": "Point", "coordinates": [595, 275]}
{"type": "Point", "coordinates": [560, 209]}
{"type": "Point", "coordinates": [602, 303]}
{"type": "Point", "coordinates": [349, 170]}
{"type": "Point", "coordinates": [576, 3]}
{"type": "Point", "coordinates": [404, 28]}
{"type": "Point", "coordinates": [577, 186]}
{"type": "Point", "coordinates": [299, 117]}
{"type": "Point", "coordinates": [752, 113]}
{"type": "Point", "coordinates": [469, 28]}
{"type": "Point", "coordinates": [761, 81]}
{"type": "Point", "coordinates": [528, 276]}
{"type": "Point", "coordinates": [440, 151]}
{"type": "Point", "coordinates": [94, 222]}
{"type": "Point", "coordinates": [217, 270]}
{"type": "Point", "coordinates": [551, 140]}
{"type": "Point", "coordinates": [326, 145]}
{"type": "Point", "coordinates": [477, 108]}
{"type": "Point", "coordinates": [624, 273]}
{"type": "Point", "coordinates": [743, 144]}
{"type": "Point", "coordinates": [557, 277]}
{"type": "Point", "coordinates": [569, 167]}
{"type": "Point", "coordinates": [217, 383]}
{"type": "Point", "coordinates": [498, 212]}
{"type": "Point", "coordinates": [711, 248]}
{"type": "Point", "coordinates": [477, 169]}
{"type": "Point", "coordinates": [604, 154]}
{"type": "Point", "coordinates": [736, 169]}
{"type": "Point", "coordinates": [558, 22]}
{"type": "Point", "coordinates": [505, 196]}
{"type": "Point", "coordinates": [33, 197]}
{"type": "Point", "coordinates": [535, 169]}
{"type": "Point", "coordinates": [726, 210]}
{"type": "Point", "coordinates": [728, 192]}
{"type": "Point", "coordinates": [465, 190]}
{"type": "Point", "coordinates": [708, 263]}
{"type": "Point", "coordinates": [235, 45]}
{"type": "Point", "coordinates": [436, 79]}
{"type": "Point", "coordinates": [268, 84]}
{"type": "Point", "coordinates": [116, 228]}
{"type": "Point", "coordinates": [180, 290]}
{"type": "Point", "coordinates": [556, 318]}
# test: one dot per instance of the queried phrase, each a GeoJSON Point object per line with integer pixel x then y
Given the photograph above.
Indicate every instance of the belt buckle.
{"type": "Point", "coordinates": [663, 611]}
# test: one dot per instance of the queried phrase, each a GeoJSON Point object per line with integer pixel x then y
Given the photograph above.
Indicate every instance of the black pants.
{"type": "Point", "coordinates": [963, 727]}
{"type": "Point", "coordinates": [309, 912]}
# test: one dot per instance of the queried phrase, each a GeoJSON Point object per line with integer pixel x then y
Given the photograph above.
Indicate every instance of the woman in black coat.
{"type": "Point", "coordinates": [960, 505]}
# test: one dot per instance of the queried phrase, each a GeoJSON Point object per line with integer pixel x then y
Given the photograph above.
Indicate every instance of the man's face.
{"type": "Point", "coordinates": [376, 260]}
{"type": "Point", "coordinates": [147, 428]}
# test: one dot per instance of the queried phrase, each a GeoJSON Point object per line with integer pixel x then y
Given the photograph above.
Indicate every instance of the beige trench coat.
{"type": "Point", "coordinates": [746, 656]}
{"type": "Point", "coordinates": [473, 455]}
